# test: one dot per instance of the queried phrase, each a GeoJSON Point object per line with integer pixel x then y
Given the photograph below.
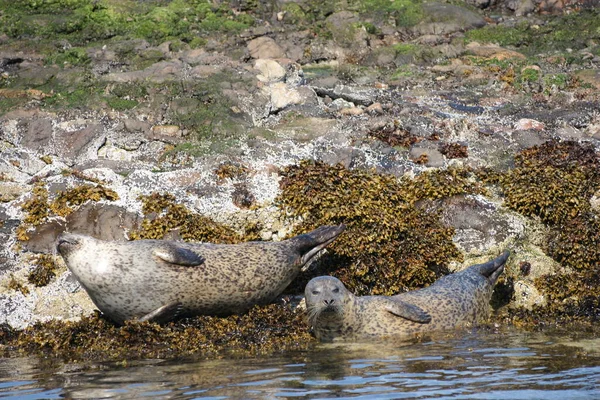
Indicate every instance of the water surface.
{"type": "Point", "coordinates": [474, 365]}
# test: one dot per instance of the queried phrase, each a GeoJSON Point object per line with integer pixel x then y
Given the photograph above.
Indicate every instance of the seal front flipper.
{"type": "Point", "coordinates": [173, 254]}
{"type": "Point", "coordinates": [163, 314]}
{"type": "Point", "coordinates": [407, 311]}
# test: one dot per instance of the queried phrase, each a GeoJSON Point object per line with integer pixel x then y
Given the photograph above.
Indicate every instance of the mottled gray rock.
{"type": "Point", "coordinates": [480, 224]}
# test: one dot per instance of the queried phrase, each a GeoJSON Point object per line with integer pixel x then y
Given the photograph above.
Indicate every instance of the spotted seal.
{"type": "Point", "coordinates": [158, 280]}
{"type": "Point", "coordinates": [453, 301]}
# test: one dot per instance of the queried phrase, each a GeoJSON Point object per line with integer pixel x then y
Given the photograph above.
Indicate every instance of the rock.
{"type": "Point", "coordinates": [10, 191]}
{"type": "Point", "coordinates": [375, 108]}
{"type": "Point", "coordinates": [527, 296]}
{"type": "Point", "coordinates": [264, 47]}
{"type": "Point", "coordinates": [480, 224]}
{"type": "Point", "coordinates": [270, 71]}
{"type": "Point", "coordinates": [37, 134]}
{"type": "Point", "coordinates": [492, 51]}
{"type": "Point", "coordinates": [428, 156]}
{"type": "Point", "coordinates": [134, 125]}
{"type": "Point", "coordinates": [345, 29]}
{"type": "Point", "coordinates": [525, 7]}
{"type": "Point", "coordinates": [160, 72]}
{"type": "Point", "coordinates": [74, 143]}
{"type": "Point", "coordinates": [525, 124]}
{"type": "Point", "coordinates": [444, 18]}
{"type": "Point", "coordinates": [282, 96]}
{"type": "Point", "coordinates": [590, 76]}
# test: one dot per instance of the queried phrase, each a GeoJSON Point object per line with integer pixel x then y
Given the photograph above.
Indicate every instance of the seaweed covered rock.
{"type": "Point", "coordinates": [263, 330]}
{"type": "Point", "coordinates": [389, 244]}
{"type": "Point", "coordinates": [164, 216]}
{"type": "Point", "coordinates": [555, 181]}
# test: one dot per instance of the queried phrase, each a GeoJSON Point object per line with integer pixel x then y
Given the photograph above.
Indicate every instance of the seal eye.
{"type": "Point", "coordinates": [336, 290]}
{"type": "Point", "coordinates": [315, 292]}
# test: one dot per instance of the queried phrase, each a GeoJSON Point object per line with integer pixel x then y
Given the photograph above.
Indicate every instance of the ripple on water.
{"type": "Point", "coordinates": [469, 366]}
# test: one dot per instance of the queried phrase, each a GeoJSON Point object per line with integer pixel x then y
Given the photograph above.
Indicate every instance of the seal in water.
{"type": "Point", "coordinates": [453, 301]}
{"type": "Point", "coordinates": [159, 280]}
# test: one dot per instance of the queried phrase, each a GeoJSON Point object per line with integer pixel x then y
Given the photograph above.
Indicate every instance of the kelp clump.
{"type": "Point", "coordinates": [38, 209]}
{"type": "Point", "coordinates": [263, 330]}
{"type": "Point", "coordinates": [44, 271]}
{"type": "Point", "coordinates": [555, 181]}
{"type": "Point", "coordinates": [389, 245]}
{"type": "Point", "coordinates": [164, 216]}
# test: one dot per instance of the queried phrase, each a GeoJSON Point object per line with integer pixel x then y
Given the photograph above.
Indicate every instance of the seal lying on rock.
{"type": "Point", "coordinates": [158, 280]}
{"type": "Point", "coordinates": [453, 301]}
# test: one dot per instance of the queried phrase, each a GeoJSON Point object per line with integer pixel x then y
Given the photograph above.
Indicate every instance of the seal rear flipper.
{"type": "Point", "coordinates": [407, 311]}
{"type": "Point", "coordinates": [178, 255]}
{"type": "Point", "coordinates": [309, 244]}
{"type": "Point", "coordinates": [492, 269]}
{"type": "Point", "coordinates": [163, 314]}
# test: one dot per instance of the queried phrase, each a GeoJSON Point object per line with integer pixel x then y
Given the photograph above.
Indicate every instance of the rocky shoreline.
{"type": "Point", "coordinates": [440, 132]}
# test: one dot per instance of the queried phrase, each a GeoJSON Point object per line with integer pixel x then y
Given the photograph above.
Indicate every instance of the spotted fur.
{"type": "Point", "coordinates": [457, 300]}
{"type": "Point", "coordinates": [157, 279]}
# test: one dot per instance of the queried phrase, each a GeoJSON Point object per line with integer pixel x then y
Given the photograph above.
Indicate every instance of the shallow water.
{"type": "Point", "coordinates": [476, 365]}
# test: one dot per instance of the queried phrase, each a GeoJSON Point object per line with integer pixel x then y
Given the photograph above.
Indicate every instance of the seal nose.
{"type": "Point", "coordinates": [329, 302]}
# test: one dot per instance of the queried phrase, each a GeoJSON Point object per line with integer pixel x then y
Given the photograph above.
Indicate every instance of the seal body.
{"type": "Point", "coordinates": [159, 280]}
{"type": "Point", "coordinates": [453, 301]}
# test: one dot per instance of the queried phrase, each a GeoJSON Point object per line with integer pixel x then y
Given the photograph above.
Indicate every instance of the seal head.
{"type": "Point", "coordinates": [159, 280]}
{"type": "Point", "coordinates": [456, 300]}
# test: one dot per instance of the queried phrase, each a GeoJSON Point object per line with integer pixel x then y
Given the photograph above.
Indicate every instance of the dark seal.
{"type": "Point", "coordinates": [159, 280]}
{"type": "Point", "coordinates": [457, 300]}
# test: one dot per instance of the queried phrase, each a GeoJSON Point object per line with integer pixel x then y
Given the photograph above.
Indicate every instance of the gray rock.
{"type": "Point", "coordinates": [480, 225]}
{"type": "Point", "coordinates": [73, 144]}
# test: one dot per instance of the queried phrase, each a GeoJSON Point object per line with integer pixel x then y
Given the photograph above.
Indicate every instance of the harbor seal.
{"type": "Point", "coordinates": [159, 280]}
{"type": "Point", "coordinates": [453, 301]}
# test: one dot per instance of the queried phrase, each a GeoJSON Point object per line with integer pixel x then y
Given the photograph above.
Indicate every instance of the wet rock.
{"type": "Point", "coordinates": [264, 47]}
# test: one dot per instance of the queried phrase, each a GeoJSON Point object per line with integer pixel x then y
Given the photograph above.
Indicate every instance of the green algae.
{"type": "Point", "coordinates": [557, 34]}
{"type": "Point", "coordinates": [86, 21]}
